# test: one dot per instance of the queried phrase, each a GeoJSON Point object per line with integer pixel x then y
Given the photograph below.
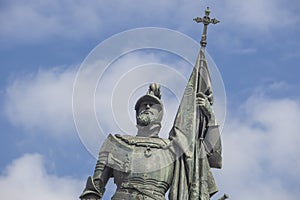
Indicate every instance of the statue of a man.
{"type": "Point", "coordinates": [144, 166]}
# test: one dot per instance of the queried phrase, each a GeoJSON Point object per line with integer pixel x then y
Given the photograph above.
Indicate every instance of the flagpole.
{"type": "Point", "coordinates": [201, 166]}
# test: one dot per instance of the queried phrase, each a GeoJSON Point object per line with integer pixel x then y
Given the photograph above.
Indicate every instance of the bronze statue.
{"type": "Point", "coordinates": [146, 166]}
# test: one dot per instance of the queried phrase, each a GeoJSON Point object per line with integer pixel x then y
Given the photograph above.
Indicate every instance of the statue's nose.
{"type": "Point", "coordinates": [147, 106]}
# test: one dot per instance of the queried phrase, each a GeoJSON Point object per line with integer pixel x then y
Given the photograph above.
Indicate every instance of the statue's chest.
{"type": "Point", "coordinates": [147, 166]}
{"type": "Point", "coordinates": [148, 159]}
{"type": "Point", "coordinates": [138, 155]}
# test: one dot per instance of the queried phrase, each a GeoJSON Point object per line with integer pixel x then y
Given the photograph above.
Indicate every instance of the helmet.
{"type": "Point", "coordinates": [153, 95]}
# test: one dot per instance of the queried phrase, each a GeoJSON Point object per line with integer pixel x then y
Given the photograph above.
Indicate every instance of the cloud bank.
{"type": "Point", "coordinates": [257, 16]}
{"type": "Point", "coordinates": [27, 178]}
{"type": "Point", "coordinates": [34, 20]}
{"type": "Point", "coordinates": [261, 150]}
{"type": "Point", "coordinates": [42, 102]}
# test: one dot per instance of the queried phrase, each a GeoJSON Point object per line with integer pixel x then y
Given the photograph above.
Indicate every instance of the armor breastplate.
{"type": "Point", "coordinates": [136, 154]}
{"type": "Point", "coordinates": [139, 163]}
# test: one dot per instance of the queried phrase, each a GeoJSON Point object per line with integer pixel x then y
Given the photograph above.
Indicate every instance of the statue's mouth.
{"type": "Point", "coordinates": [147, 112]}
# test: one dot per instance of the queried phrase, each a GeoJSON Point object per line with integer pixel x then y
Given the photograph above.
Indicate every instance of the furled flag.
{"type": "Point", "coordinates": [196, 139]}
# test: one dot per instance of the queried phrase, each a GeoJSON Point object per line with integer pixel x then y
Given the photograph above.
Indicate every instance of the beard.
{"type": "Point", "coordinates": [143, 119]}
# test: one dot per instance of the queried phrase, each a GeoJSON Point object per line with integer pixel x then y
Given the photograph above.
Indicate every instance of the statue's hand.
{"type": "Point", "coordinates": [203, 102]}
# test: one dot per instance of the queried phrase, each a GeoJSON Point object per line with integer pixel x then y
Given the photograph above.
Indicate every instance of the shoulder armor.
{"type": "Point", "coordinates": [117, 153]}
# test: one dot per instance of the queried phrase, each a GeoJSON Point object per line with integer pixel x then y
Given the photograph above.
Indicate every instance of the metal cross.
{"type": "Point", "coordinates": [205, 20]}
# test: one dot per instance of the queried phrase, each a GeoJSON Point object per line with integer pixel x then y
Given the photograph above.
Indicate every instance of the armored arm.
{"type": "Point", "coordinates": [95, 186]}
{"type": "Point", "coordinates": [212, 137]}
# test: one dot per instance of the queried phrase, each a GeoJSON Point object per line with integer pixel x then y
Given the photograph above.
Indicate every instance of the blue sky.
{"type": "Point", "coordinates": [43, 43]}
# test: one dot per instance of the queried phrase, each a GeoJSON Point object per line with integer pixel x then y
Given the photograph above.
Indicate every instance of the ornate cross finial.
{"type": "Point", "coordinates": [205, 20]}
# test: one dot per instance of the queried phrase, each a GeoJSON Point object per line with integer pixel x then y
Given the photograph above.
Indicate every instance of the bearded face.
{"type": "Point", "coordinates": [147, 113]}
{"type": "Point", "coordinates": [143, 119]}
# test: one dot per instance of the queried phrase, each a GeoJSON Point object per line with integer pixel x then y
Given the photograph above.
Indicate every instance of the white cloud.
{"type": "Point", "coordinates": [261, 148]}
{"type": "Point", "coordinates": [258, 16]}
{"type": "Point", "coordinates": [34, 20]}
{"type": "Point", "coordinates": [27, 178]}
{"type": "Point", "coordinates": [42, 102]}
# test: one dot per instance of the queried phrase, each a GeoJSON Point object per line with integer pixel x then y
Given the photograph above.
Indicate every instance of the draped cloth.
{"type": "Point", "coordinates": [196, 140]}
